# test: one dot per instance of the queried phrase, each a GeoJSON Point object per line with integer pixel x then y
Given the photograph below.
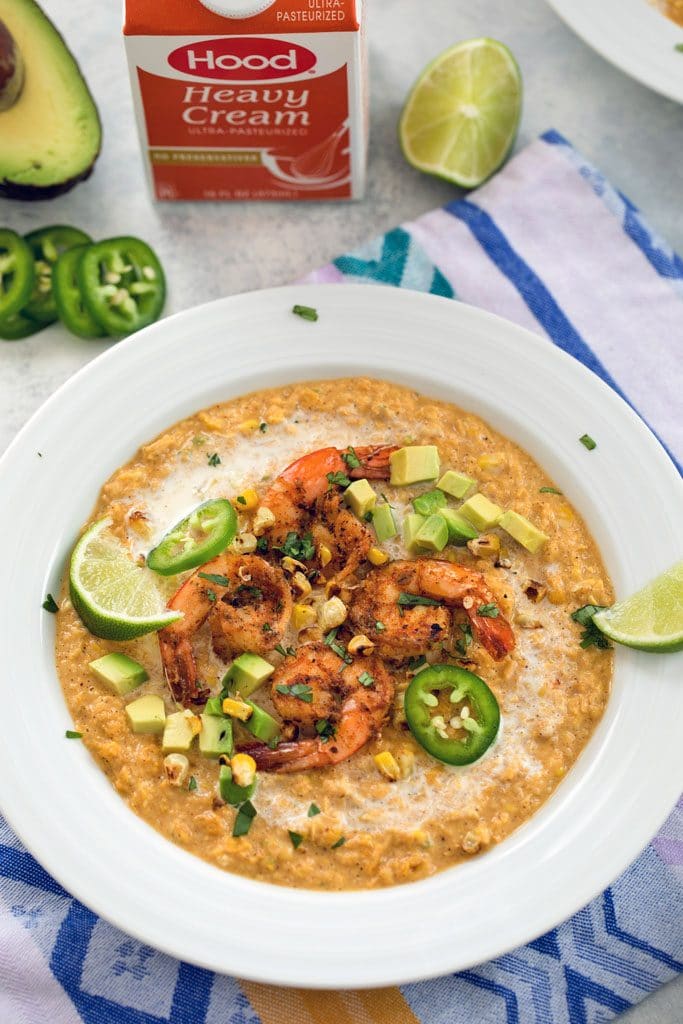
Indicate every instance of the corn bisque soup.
{"type": "Point", "coordinates": [366, 821]}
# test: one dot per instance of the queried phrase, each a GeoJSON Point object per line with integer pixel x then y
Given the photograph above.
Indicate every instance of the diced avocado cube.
{"type": "Point", "coordinates": [146, 714]}
{"type": "Point", "coordinates": [430, 502]}
{"type": "Point", "coordinates": [214, 706]}
{"type": "Point", "coordinates": [230, 791]}
{"type": "Point", "coordinates": [178, 733]}
{"type": "Point", "coordinates": [119, 672]}
{"type": "Point", "coordinates": [414, 463]}
{"type": "Point", "coordinates": [261, 725]}
{"type": "Point", "coordinates": [360, 497]}
{"type": "Point", "coordinates": [216, 736]}
{"type": "Point", "coordinates": [481, 512]}
{"type": "Point", "coordinates": [433, 534]}
{"type": "Point", "coordinates": [524, 532]}
{"type": "Point", "coordinates": [459, 530]}
{"type": "Point", "coordinates": [247, 673]}
{"type": "Point", "coordinates": [456, 484]}
{"type": "Point", "coordinates": [384, 523]}
{"type": "Point", "coordinates": [411, 527]}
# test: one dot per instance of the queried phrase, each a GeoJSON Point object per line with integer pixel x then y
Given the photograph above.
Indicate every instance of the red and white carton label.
{"type": "Point", "coordinates": [267, 106]}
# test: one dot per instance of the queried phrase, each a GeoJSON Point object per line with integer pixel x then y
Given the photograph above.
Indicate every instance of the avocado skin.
{"type": "Point", "coordinates": [10, 189]}
{"type": "Point", "coordinates": [13, 190]}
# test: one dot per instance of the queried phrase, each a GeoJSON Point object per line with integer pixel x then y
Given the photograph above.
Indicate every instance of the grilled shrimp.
{"type": "Point", "coordinates": [242, 596]}
{"type": "Point", "coordinates": [302, 498]}
{"type": "Point", "coordinates": [308, 690]}
{"type": "Point", "coordinates": [406, 630]}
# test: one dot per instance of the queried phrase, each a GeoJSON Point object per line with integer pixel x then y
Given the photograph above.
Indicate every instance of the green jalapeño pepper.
{"type": "Point", "coordinates": [17, 326]}
{"type": "Point", "coordinates": [122, 284]}
{"type": "Point", "coordinates": [452, 713]}
{"type": "Point", "coordinates": [47, 244]}
{"type": "Point", "coordinates": [68, 298]}
{"type": "Point", "coordinates": [196, 539]}
{"type": "Point", "coordinates": [17, 273]}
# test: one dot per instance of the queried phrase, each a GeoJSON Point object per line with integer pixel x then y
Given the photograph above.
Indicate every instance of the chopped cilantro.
{"type": "Point", "coordinates": [245, 816]}
{"type": "Point", "coordinates": [211, 594]}
{"type": "Point", "coordinates": [263, 427]}
{"type": "Point", "coordinates": [192, 784]}
{"type": "Point", "coordinates": [340, 842]}
{"type": "Point", "coordinates": [417, 662]}
{"type": "Point", "coordinates": [325, 729]}
{"type": "Point", "coordinates": [214, 577]}
{"type": "Point", "coordinates": [588, 442]}
{"type": "Point", "coordinates": [331, 641]}
{"type": "Point", "coordinates": [241, 500]}
{"type": "Point", "coordinates": [72, 735]}
{"type": "Point", "coordinates": [262, 545]}
{"type": "Point", "coordinates": [299, 690]}
{"type": "Point", "coordinates": [365, 679]}
{"type": "Point", "coordinates": [350, 458]}
{"type": "Point", "coordinates": [548, 490]}
{"type": "Point", "coordinates": [410, 600]}
{"type": "Point", "coordinates": [367, 516]}
{"type": "Point", "coordinates": [301, 548]}
{"type": "Point", "coordinates": [488, 611]}
{"type": "Point", "coordinates": [305, 312]}
{"type": "Point", "coordinates": [297, 839]}
{"type": "Point", "coordinates": [465, 640]}
{"type": "Point", "coordinates": [214, 460]}
{"type": "Point", "coordinates": [338, 479]}
{"type": "Point", "coordinates": [50, 605]}
{"type": "Point", "coordinates": [266, 628]}
{"type": "Point", "coordinates": [380, 627]}
{"type": "Point", "coordinates": [313, 810]}
{"type": "Point", "coordinates": [248, 589]}
{"type": "Point", "coordinates": [284, 651]}
{"type": "Point", "coordinates": [591, 636]}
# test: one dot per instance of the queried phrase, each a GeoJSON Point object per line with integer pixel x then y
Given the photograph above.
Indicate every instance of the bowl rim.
{"type": "Point", "coordinates": [395, 946]}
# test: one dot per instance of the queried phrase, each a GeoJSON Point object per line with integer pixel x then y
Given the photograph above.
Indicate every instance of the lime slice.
{"type": "Point", "coordinates": [115, 598]}
{"type": "Point", "coordinates": [461, 117]}
{"type": "Point", "coordinates": [652, 619]}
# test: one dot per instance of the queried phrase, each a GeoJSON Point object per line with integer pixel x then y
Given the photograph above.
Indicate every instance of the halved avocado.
{"type": "Point", "coordinates": [50, 134]}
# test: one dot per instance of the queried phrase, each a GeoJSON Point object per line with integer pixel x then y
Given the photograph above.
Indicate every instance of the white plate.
{"type": "Point", "coordinates": [634, 36]}
{"type": "Point", "coordinates": [63, 806]}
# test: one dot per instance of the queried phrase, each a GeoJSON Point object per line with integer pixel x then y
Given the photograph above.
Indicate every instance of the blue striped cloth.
{"type": "Point", "coordinates": [550, 244]}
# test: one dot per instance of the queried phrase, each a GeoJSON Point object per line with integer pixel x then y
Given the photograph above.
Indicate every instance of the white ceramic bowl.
{"type": "Point", "coordinates": [64, 808]}
{"type": "Point", "coordinates": [634, 36]}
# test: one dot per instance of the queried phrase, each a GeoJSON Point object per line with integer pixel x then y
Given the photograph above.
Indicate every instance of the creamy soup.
{"type": "Point", "coordinates": [371, 830]}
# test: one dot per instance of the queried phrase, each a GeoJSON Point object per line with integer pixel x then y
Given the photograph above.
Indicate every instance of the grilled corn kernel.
{"type": "Point", "coordinates": [244, 544]}
{"type": "Point", "coordinates": [263, 520]}
{"type": "Point", "coordinates": [360, 644]}
{"type": "Point", "coordinates": [193, 721]}
{"type": "Point", "coordinates": [292, 564]}
{"type": "Point", "coordinates": [237, 709]}
{"type": "Point", "coordinates": [301, 584]}
{"type": "Point", "coordinates": [485, 546]}
{"type": "Point", "coordinates": [406, 762]}
{"type": "Point", "coordinates": [534, 590]}
{"type": "Point", "coordinates": [303, 616]}
{"type": "Point", "coordinates": [177, 768]}
{"type": "Point", "coordinates": [377, 556]}
{"type": "Point", "coordinates": [246, 501]}
{"type": "Point", "coordinates": [325, 555]}
{"type": "Point", "coordinates": [312, 635]}
{"type": "Point", "coordinates": [331, 614]}
{"type": "Point", "coordinates": [243, 769]}
{"type": "Point", "coordinates": [388, 765]}
{"type": "Point", "coordinates": [249, 426]}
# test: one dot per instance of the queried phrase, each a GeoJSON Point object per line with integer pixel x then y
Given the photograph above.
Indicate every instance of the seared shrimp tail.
{"type": "Point", "coordinates": [294, 756]}
{"type": "Point", "coordinates": [495, 635]}
{"type": "Point", "coordinates": [374, 462]}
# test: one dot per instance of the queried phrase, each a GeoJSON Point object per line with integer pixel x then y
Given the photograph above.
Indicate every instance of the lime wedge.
{"type": "Point", "coordinates": [461, 117]}
{"type": "Point", "coordinates": [115, 598]}
{"type": "Point", "coordinates": [652, 619]}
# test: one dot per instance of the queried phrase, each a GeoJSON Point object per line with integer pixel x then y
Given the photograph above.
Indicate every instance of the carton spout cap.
{"type": "Point", "coordinates": [237, 8]}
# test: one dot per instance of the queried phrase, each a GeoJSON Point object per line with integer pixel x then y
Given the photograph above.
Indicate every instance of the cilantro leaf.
{"type": "Point", "coordinates": [214, 577]}
{"type": "Point", "coordinates": [297, 839]}
{"type": "Point", "coordinates": [591, 636]}
{"type": "Point", "coordinates": [488, 611]}
{"type": "Point", "coordinates": [299, 690]}
{"type": "Point", "coordinates": [338, 479]}
{"type": "Point", "coordinates": [245, 816]}
{"type": "Point", "coordinates": [350, 458]}
{"type": "Point", "coordinates": [214, 460]}
{"type": "Point", "coordinates": [50, 605]}
{"type": "Point", "coordinates": [411, 600]}
{"type": "Point", "coordinates": [313, 810]}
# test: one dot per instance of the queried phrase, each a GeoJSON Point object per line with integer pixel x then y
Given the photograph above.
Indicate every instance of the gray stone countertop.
{"type": "Point", "coordinates": [210, 249]}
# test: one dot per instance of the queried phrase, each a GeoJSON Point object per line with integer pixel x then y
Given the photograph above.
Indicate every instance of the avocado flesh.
{"type": "Point", "coordinates": [50, 137]}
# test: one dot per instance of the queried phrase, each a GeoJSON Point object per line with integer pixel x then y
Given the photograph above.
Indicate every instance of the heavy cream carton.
{"type": "Point", "coordinates": [249, 99]}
